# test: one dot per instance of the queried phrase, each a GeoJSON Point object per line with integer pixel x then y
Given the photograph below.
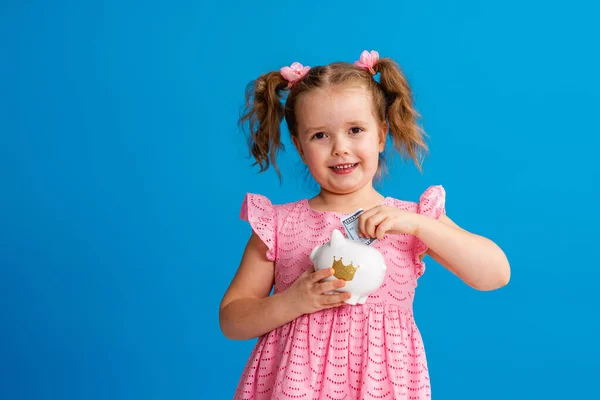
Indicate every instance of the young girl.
{"type": "Point", "coordinates": [311, 344]}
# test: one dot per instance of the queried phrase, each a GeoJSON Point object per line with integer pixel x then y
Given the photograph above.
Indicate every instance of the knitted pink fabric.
{"type": "Point", "coordinates": [370, 351]}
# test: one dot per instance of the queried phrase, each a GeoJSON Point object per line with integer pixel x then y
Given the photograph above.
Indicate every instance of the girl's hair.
{"type": "Point", "coordinates": [392, 103]}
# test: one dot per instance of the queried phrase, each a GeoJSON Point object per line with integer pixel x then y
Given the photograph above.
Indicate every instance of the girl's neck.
{"type": "Point", "coordinates": [364, 198]}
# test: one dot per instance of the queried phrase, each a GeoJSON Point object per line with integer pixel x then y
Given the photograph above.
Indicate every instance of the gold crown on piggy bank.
{"type": "Point", "coordinates": [345, 272]}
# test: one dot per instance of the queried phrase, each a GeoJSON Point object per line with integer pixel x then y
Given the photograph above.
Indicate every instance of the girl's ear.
{"type": "Point", "coordinates": [298, 146]}
{"type": "Point", "coordinates": [383, 130]}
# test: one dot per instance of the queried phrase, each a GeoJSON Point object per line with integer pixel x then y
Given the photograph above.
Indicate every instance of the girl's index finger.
{"type": "Point", "coordinates": [362, 220]}
{"type": "Point", "coordinates": [322, 274]}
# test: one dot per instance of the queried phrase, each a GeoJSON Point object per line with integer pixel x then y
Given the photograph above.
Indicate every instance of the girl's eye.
{"type": "Point", "coordinates": [356, 130]}
{"type": "Point", "coordinates": [318, 135]}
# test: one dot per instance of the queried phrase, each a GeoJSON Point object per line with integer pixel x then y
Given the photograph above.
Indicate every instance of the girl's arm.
{"type": "Point", "coordinates": [478, 261]}
{"type": "Point", "coordinates": [247, 311]}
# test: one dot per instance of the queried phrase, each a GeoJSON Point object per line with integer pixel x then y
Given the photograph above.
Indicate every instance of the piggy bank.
{"type": "Point", "coordinates": [360, 265]}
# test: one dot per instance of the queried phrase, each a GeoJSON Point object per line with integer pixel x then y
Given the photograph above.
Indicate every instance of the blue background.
{"type": "Point", "coordinates": [122, 170]}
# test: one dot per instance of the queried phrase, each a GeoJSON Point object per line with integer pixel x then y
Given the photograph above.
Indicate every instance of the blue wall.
{"type": "Point", "coordinates": [122, 171]}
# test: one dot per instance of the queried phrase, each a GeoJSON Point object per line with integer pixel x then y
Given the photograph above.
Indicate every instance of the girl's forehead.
{"type": "Point", "coordinates": [335, 92]}
{"type": "Point", "coordinates": [325, 104]}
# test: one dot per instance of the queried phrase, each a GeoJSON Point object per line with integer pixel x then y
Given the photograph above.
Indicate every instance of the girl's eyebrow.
{"type": "Point", "coordinates": [318, 128]}
{"type": "Point", "coordinates": [357, 122]}
{"type": "Point", "coordinates": [322, 128]}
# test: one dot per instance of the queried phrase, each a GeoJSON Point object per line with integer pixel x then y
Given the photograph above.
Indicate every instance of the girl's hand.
{"type": "Point", "coordinates": [378, 221]}
{"type": "Point", "coordinates": [307, 294]}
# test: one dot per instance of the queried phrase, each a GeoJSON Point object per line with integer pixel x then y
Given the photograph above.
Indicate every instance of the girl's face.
{"type": "Point", "coordinates": [339, 138]}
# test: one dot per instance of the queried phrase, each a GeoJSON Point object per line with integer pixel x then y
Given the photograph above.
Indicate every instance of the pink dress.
{"type": "Point", "coordinates": [370, 351]}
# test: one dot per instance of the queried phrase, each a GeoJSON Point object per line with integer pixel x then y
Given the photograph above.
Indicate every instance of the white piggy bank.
{"type": "Point", "coordinates": [360, 265]}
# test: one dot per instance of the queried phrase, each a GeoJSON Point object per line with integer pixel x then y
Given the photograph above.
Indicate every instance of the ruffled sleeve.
{"type": "Point", "coordinates": [260, 213]}
{"type": "Point", "coordinates": [432, 203]}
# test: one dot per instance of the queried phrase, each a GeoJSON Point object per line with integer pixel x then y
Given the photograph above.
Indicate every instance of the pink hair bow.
{"type": "Point", "coordinates": [294, 73]}
{"type": "Point", "coordinates": [368, 61]}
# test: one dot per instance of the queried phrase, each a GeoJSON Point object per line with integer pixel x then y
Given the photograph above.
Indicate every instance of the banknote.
{"type": "Point", "coordinates": [350, 225]}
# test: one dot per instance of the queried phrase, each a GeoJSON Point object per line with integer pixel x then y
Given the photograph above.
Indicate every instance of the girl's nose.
{"type": "Point", "coordinates": [340, 147]}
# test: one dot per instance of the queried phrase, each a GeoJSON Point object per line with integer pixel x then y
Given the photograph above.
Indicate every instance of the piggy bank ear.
{"type": "Point", "coordinates": [313, 253]}
{"type": "Point", "coordinates": [337, 237]}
